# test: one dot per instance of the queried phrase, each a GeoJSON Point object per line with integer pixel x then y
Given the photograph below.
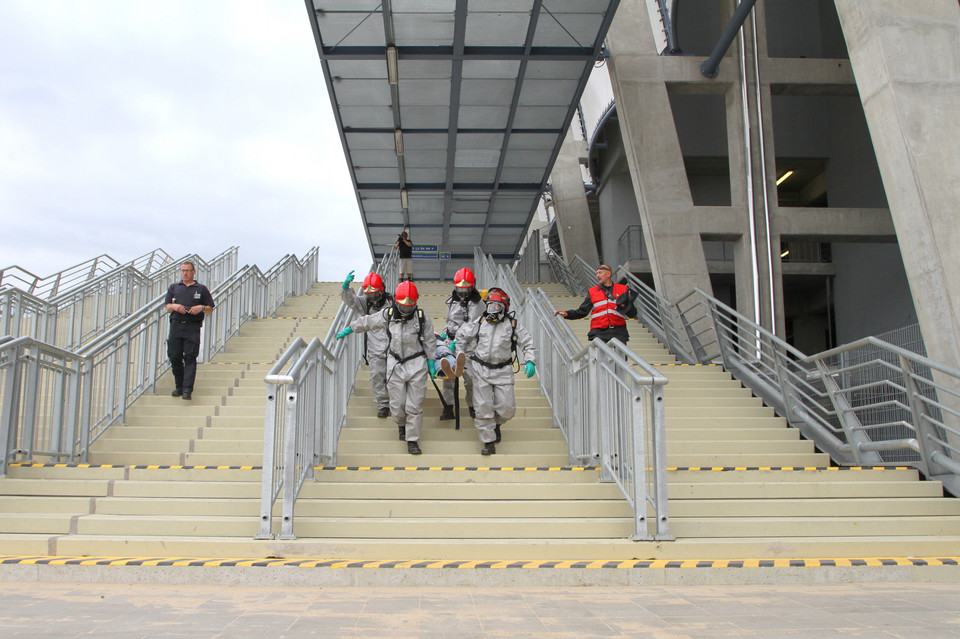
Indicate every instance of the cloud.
{"type": "Point", "coordinates": [186, 126]}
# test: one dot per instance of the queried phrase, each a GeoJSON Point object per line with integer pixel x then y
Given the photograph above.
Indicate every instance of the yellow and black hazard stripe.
{"type": "Point", "coordinates": [131, 467]}
{"type": "Point", "coordinates": [784, 468]}
{"type": "Point", "coordinates": [840, 562]}
{"type": "Point", "coordinates": [449, 468]}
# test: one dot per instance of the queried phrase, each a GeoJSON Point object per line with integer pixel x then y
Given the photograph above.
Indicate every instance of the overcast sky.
{"type": "Point", "coordinates": [185, 125]}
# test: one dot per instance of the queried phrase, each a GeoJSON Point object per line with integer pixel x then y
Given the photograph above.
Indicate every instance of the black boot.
{"type": "Point", "coordinates": [473, 413]}
{"type": "Point", "coordinates": [447, 413]}
{"type": "Point", "coordinates": [489, 449]}
{"type": "Point", "coordinates": [383, 412]}
{"type": "Point", "coordinates": [496, 429]}
{"type": "Point", "coordinates": [413, 448]}
{"type": "Point", "coordinates": [403, 432]}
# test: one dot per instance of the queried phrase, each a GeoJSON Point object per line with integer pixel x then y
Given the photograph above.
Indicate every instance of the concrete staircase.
{"type": "Point", "coordinates": [182, 479]}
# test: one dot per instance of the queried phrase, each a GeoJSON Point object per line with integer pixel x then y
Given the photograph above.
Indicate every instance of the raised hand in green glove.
{"type": "Point", "coordinates": [344, 332]}
{"type": "Point", "coordinates": [453, 347]}
{"type": "Point", "coordinates": [432, 367]}
{"type": "Point", "coordinates": [346, 282]}
{"type": "Point", "coordinates": [530, 368]}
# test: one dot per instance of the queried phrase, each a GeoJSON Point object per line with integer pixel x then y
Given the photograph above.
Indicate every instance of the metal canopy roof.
{"type": "Point", "coordinates": [452, 112]}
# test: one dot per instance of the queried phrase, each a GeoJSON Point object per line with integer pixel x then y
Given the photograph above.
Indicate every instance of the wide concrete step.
{"type": "Point", "coordinates": [815, 526]}
{"type": "Point", "coordinates": [362, 527]}
{"type": "Point", "coordinates": [473, 549]}
{"type": "Point", "coordinates": [430, 459]}
{"type": "Point", "coordinates": [522, 431]}
{"type": "Point", "coordinates": [447, 447]}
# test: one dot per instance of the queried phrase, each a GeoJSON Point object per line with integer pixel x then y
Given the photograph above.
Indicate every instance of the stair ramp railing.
{"type": "Point", "coordinates": [607, 402]}
{"type": "Point", "coordinates": [307, 393]}
{"type": "Point", "coordinates": [74, 317]}
{"type": "Point", "coordinates": [53, 285]}
{"type": "Point", "coordinates": [867, 403]}
{"type": "Point", "coordinates": [54, 402]}
{"type": "Point", "coordinates": [564, 274]}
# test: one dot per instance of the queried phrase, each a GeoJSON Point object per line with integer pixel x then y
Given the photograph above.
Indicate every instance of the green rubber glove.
{"type": "Point", "coordinates": [344, 332]}
{"type": "Point", "coordinates": [346, 282]}
{"type": "Point", "coordinates": [530, 368]}
{"type": "Point", "coordinates": [443, 336]}
{"type": "Point", "coordinates": [453, 347]}
{"type": "Point", "coordinates": [432, 367]}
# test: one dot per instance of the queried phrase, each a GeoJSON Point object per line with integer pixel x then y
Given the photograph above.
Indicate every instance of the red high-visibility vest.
{"type": "Point", "coordinates": [604, 313]}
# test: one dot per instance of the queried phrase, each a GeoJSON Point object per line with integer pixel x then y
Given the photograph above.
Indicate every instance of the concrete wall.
{"type": "Point", "coordinates": [871, 292]}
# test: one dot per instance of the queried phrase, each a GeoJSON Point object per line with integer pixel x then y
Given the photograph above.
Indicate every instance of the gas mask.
{"type": "Point", "coordinates": [463, 292]}
{"type": "Point", "coordinates": [495, 311]}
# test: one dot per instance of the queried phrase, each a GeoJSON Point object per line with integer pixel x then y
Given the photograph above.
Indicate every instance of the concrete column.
{"type": "Point", "coordinates": [670, 227]}
{"type": "Point", "coordinates": [570, 203]}
{"type": "Point", "coordinates": [906, 59]}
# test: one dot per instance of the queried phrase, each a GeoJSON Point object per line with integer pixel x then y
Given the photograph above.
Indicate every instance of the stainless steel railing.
{"type": "Point", "coordinates": [307, 393]}
{"type": "Point", "coordinates": [609, 405]}
{"type": "Point", "coordinates": [864, 403]}
{"type": "Point", "coordinates": [74, 317]}
{"type": "Point", "coordinates": [56, 402]}
{"type": "Point", "coordinates": [607, 402]}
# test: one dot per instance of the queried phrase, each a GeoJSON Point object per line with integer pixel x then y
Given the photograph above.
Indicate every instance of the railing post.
{"type": "Point", "coordinates": [28, 410]}
{"type": "Point", "coordinates": [290, 479]}
{"type": "Point", "coordinates": [11, 403]}
{"type": "Point", "coordinates": [268, 473]}
{"type": "Point", "coordinates": [639, 462]}
{"type": "Point", "coordinates": [659, 428]}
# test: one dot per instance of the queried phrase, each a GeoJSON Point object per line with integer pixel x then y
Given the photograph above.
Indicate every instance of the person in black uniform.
{"type": "Point", "coordinates": [405, 252]}
{"type": "Point", "coordinates": [188, 302]}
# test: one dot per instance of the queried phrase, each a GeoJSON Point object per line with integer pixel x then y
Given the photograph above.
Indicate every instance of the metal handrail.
{"type": "Point", "coordinates": [72, 318]}
{"type": "Point", "coordinates": [609, 405]}
{"type": "Point", "coordinates": [607, 401]}
{"type": "Point", "coordinates": [307, 393]}
{"type": "Point", "coordinates": [865, 403]}
{"type": "Point", "coordinates": [564, 274]}
{"type": "Point", "coordinates": [660, 316]}
{"type": "Point", "coordinates": [56, 402]}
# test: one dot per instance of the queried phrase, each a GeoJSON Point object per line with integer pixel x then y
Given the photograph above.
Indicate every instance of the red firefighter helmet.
{"type": "Point", "coordinates": [464, 279]}
{"type": "Point", "coordinates": [499, 295]}
{"type": "Point", "coordinates": [373, 283]}
{"type": "Point", "coordinates": [406, 296]}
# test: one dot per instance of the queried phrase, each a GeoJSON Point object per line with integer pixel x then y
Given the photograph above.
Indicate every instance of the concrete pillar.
{"type": "Point", "coordinates": [670, 227]}
{"type": "Point", "coordinates": [906, 59]}
{"type": "Point", "coordinates": [570, 203]}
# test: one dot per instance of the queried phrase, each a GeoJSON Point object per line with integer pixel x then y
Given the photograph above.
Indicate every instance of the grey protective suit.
{"type": "Point", "coordinates": [493, 395]}
{"type": "Point", "coordinates": [376, 347]}
{"type": "Point", "coordinates": [458, 314]}
{"type": "Point", "coordinates": [407, 355]}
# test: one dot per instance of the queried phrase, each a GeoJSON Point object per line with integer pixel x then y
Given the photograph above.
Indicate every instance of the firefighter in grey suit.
{"type": "Point", "coordinates": [464, 305]}
{"type": "Point", "coordinates": [374, 300]}
{"type": "Point", "coordinates": [490, 344]}
{"type": "Point", "coordinates": [407, 352]}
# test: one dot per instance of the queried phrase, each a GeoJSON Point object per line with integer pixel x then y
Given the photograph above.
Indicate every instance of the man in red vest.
{"type": "Point", "coordinates": [608, 304]}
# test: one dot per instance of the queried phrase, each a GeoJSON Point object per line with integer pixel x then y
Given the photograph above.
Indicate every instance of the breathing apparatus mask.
{"type": "Point", "coordinates": [497, 304]}
{"type": "Point", "coordinates": [495, 311]}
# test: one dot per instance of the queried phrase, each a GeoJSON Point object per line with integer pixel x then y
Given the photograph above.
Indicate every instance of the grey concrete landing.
{"type": "Point", "coordinates": [889, 610]}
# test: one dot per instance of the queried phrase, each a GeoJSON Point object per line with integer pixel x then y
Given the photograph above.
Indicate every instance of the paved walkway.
{"type": "Point", "coordinates": [878, 610]}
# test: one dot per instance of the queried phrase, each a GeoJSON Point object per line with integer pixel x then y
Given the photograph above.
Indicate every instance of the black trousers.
{"type": "Point", "coordinates": [183, 347]}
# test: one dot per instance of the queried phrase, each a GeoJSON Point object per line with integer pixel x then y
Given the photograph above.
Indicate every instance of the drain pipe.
{"type": "Point", "coordinates": [763, 169]}
{"type": "Point", "coordinates": [711, 66]}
